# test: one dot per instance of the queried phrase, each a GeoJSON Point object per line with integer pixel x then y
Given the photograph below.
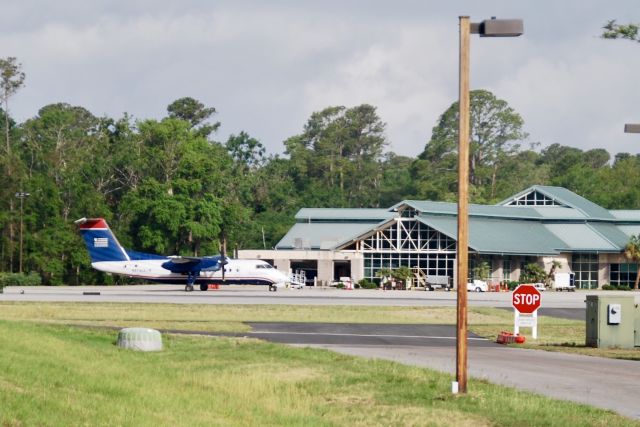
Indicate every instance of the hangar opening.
{"type": "Point", "coordinates": [309, 267]}
{"type": "Point", "coordinates": [341, 269]}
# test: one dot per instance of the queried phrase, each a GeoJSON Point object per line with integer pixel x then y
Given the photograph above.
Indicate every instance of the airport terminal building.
{"type": "Point", "coordinates": [540, 225]}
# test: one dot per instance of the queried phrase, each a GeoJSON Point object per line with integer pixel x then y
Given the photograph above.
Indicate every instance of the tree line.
{"type": "Point", "coordinates": [170, 186]}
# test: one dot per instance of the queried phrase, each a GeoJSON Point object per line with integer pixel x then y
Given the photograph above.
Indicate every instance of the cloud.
{"type": "Point", "coordinates": [408, 75]}
{"type": "Point", "coordinates": [267, 66]}
{"type": "Point", "coordinates": [578, 94]}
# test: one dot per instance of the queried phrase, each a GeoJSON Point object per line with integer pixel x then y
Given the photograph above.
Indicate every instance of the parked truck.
{"type": "Point", "coordinates": [438, 282]}
{"type": "Point", "coordinates": [564, 282]}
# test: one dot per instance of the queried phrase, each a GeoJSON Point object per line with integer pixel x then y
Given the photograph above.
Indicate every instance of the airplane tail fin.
{"type": "Point", "coordinates": [100, 241]}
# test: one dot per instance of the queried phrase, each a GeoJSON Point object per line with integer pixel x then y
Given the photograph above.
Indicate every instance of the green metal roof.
{"type": "Point", "coordinates": [320, 235]}
{"type": "Point", "coordinates": [567, 198]}
{"type": "Point", "coordinates": [495, 236]}
{"type": "Point", "coordinates": [324, 214]}
{"type": "Point", "coordinates": [612, 233]}
{"type": "Point", "coordinates": [630, 230]}
{"type": "Point", "coordinates": [558, 212]}
{"type": "Point", "coordinates": [496, 211]}
{"type": "Point", "coordinates": [582, 237]}
{"type": "Point", "coordinates": [448, 208]}
{"type": "Point", "coordinates": [576, 224]}
{"type": "Point", "coordinates": [626, 215]}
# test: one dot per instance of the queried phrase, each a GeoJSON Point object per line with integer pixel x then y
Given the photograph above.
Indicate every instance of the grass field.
{"type": "Point", "coordinates": [553, 334]}
{"type": "Point", "coordinates": [228, 318]}
{"type": "Point", "coordinates": [55, 375]}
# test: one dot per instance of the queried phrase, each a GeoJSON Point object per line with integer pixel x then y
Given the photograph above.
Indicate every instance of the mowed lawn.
{"type": "Point", "coordinates": [56, 375]}
{"type": "Point", "coordinates": [229, 318]}
{"type": "Point", "coordinates": [554, 334]}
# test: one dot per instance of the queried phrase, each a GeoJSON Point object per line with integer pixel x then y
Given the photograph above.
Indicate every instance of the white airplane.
{"type": "Point", "coordinates": [109, 256]}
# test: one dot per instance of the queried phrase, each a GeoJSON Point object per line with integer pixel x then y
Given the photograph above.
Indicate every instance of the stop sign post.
{"type": "Point", "coordinates": [526, 299]}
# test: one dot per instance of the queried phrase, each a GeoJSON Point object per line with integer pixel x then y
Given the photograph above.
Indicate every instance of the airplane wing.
{"type": "Point", "coordinates": [187, 264]}
{"type": "Point", "coordinates": [179, 259]}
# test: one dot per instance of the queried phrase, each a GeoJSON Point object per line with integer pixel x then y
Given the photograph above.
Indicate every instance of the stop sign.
{"type": "Point", "coordinates": [525, 299]}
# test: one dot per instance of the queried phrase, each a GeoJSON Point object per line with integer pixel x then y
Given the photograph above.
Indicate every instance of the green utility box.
{"type": "Point", "coordinates": [637, 328]}
{"type": "Point", "coordinates": [612, 321]}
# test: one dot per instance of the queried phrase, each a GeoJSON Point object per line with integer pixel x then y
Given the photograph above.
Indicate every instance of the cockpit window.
{"type": "Point", "coordinates": [267, 266]}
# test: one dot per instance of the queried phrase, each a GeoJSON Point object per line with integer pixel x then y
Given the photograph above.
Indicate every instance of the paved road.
{"type": "Point", "coordinates": [605, 383]}
{"type": "Point", "coordinates": [377, 335]}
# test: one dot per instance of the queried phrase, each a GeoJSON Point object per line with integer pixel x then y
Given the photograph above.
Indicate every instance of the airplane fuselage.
{"type": "Point", "coordinates": [237, 271]}
{"type": "Point", "coordinates": [109, 256]}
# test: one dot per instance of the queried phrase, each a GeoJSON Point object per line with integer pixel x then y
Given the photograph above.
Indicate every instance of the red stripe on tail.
{"type": "Point", "coordinates": [94, 223]}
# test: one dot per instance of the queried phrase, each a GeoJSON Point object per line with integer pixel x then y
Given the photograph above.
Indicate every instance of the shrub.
{"type": "Point", "coordinates": [609, 287]}
{"type": "Point", "coordinates": [624, 288]}
{"type": "Point", "coordinates": [366, 284]}
{"type": "Point", "coordinates": [512, 284]}
{"type": "Point", "coordinates": [340, 285]}
{"type": "Point", "coordinates": [532, 273]}
{"type": "Point", "coordinates": [20, 279]}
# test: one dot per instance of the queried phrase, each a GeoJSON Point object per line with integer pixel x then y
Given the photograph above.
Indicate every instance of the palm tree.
{"type": "Point", "coordinates": [554, 266]}
{"type": "Point", "coordinates": [533, 273]}
{"type": "Point", "coordinates": [632, 253]}
{"type": "Point", "coordinates": [482, 271]}
{"type": "Point", "coordinates": [402, 274]}
{"type": "Point", "coordinates": [385, 274]}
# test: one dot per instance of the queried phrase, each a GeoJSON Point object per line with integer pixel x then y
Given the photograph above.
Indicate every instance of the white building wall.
{"type": "Point", "coordinates": [325, 271]}
{"type": "Point", "coordinates": [283, 265]}
{"type": "Point", "coordinates": [325, 259]}
{"type": "Point", "coordinates": [282, 260]}
{"type": "Point", "coordinates": [563, 259]}
{"type": "Point", "coordinates": [603, 269]}
{"type": "Point", "coordinates": [357, 269]}
{"type": "Point", "coordinates": [497, 270]}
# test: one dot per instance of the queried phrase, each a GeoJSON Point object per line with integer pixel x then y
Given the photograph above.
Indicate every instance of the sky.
{"type": "Point", "coordinates": [266, 66]}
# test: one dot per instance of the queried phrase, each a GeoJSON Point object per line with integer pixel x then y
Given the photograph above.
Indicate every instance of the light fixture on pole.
{"type": "Point", "coordinates": [487, 28]}
{"type": "Point", "coordinates": [21, 195]}
{"type": "Point", "coordinates": [632, 128]}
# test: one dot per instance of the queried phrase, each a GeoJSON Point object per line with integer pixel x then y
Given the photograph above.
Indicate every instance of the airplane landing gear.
{"type": "Point", "coordinates": [272, 288]}
{"type": "Point", "coordinates": [191, 279]}
{"type": "Point", "coordinates": [204, 287]}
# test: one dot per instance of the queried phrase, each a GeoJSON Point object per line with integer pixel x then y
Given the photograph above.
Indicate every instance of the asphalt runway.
{"type": "Point", "coordinates": [308, 296]}
{"type": "Point", "coordinates": [380, 335]}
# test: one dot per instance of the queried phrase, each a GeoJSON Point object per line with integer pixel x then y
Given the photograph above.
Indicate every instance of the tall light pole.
{"type": "Point", "coordinates": [487, 28]}
{"type": "Point", "coordinates": [21, 195]}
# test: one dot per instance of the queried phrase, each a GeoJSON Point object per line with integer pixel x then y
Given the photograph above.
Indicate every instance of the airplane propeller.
{"type": "Point", "coordinates": [223, 254]}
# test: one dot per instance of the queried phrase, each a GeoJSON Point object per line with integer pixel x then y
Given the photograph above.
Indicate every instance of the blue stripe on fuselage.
{"type": "Point", "coordinates": [210, 281]}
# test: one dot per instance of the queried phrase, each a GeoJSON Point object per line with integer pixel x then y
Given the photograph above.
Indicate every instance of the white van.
{"type": "Point", "coordinates": [540, 286]}
{"type": "Point", "coordinates": [478, 286]}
